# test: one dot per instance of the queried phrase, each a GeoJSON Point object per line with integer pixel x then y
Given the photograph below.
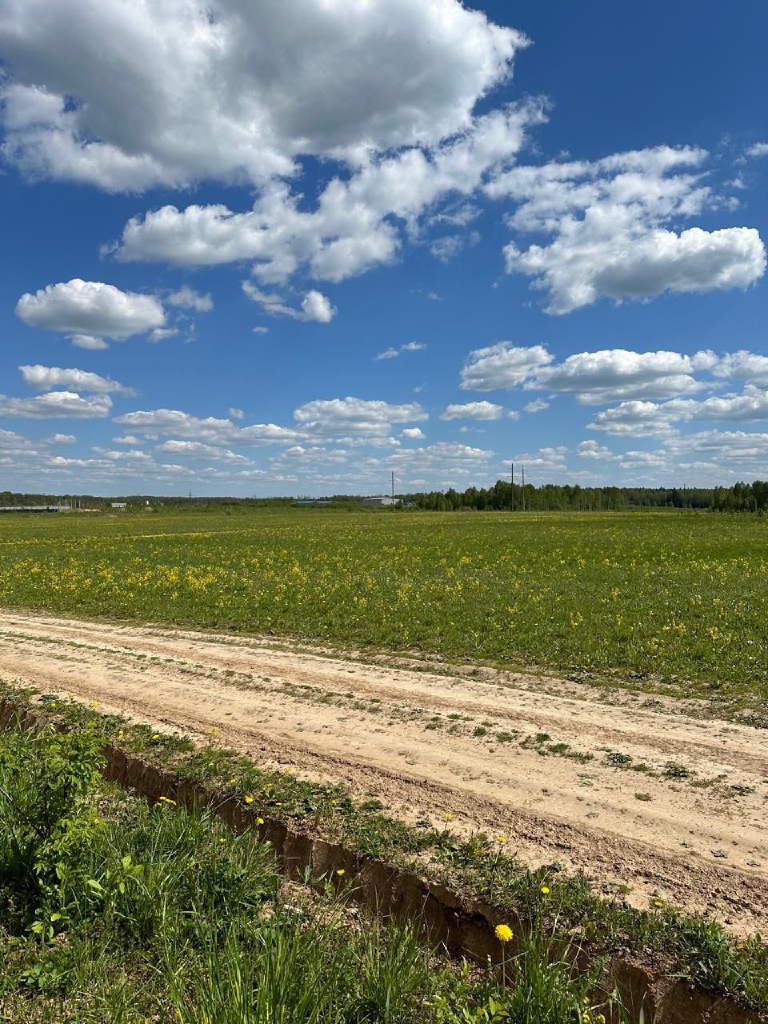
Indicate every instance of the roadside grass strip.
{"type": "Point", "coordinates": [551, 915]}
{"type": "Point", "coordinates": [115, 911]}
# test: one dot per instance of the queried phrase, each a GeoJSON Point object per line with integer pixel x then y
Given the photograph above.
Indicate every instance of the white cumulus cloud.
{"type": "Point", "coordinates": [339, 416]}
{"type": "Point", "coordinates": [613, 229]}
{"type": "Point", "coordinates": [350, 228]}
{"type": "Point", "coordinates": [234, 91]}
{"type": "Point", "coordinates": [56, 405]}
{"type": "Point", "coordinates": [209, 430]}
{"type": "Point", "coordinates": [502, 366]}
{"type": "Point", "coordinates": [90, 310]}
{"type": "Point", "coordinates": [610, 375]}
{"type": "Point", "coordinates": [314, 306]}
{"type": "Point", "coordinates": [46, 377]}
{"type": "Point", "coordinates": [473, 411]}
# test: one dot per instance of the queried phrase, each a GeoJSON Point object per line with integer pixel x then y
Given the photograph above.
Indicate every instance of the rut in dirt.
{"type": "Point", "coordinates": [642, 795]}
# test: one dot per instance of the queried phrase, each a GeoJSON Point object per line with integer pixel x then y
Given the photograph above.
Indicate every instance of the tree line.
{"type": "Point", "coordinates": [503, 496]}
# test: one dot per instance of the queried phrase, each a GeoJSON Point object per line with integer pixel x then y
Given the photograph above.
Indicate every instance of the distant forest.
{"type": "Point", "coordinates": [573, 498]}
{"type": "Point", "coordinates": [503, 496]}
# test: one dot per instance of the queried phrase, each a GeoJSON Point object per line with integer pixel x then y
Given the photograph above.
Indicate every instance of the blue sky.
{"type": "Point", "coordinates": [260, 249]}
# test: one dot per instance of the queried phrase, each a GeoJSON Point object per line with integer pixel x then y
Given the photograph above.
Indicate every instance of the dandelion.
{"type": "Point", "coordinates": [340, 872]}
{"type": "Point", "coordinates": [259, 821]}
{"type": "Point", "coordinates": [232, 782]}
{"type": "Point", "coordinates": [658, 903]}
{"type": "Point", "coordinates": [156, 736]}
{"type": "Point", "coordinates": [502, 839]}
{"type": "Point", "coordinates": [503, 932]}
{"type": "Point", "coordinates": [448, 816]}
{"type": "Point", "coordinates": [222, 840]}
{"type": "Point", "coordinates": [94, 703]}
{"type": "Point", "coordinates": [544, 890]}
{"type": "Point", "coordinates": [121, 735]}
{"type": "Point", "coordinates": [248, 799]}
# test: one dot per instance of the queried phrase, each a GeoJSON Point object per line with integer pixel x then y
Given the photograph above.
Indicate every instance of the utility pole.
{"type": "Point", "coordinates": [522, 470]}
{"type": "Point", "coordinates": [393, 490]}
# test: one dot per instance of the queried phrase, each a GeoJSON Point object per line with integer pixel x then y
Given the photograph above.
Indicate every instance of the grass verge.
{"type": "Point", "coordinates": [545, 901]}
{"type": "Point", "coordinates": [115, 911]}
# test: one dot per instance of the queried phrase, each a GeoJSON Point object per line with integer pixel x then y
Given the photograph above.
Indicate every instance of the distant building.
{"type": "Point", "coordinates": [381, 500]}
{"type": "Point", "coordinates": [118, 504]}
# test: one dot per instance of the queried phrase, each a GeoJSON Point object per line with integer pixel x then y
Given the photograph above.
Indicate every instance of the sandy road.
{"type": "Point", "coordinates": [671, 804]}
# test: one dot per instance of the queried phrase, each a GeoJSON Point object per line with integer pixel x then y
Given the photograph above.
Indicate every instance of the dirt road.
{"type": "Point", "coordinates": [670, 804]}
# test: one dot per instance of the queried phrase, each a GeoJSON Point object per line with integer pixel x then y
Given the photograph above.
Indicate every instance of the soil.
{"type": "Point", "coordinates": [671, 806]}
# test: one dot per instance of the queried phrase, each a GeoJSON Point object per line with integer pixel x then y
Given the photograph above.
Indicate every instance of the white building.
{"type": "Point", "coordinates": [382, 500]}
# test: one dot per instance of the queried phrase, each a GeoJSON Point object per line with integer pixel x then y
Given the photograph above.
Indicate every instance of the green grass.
{"type": "Point", "coordinates": [570, 910]}
{"type": "Point", "coordinates": [114, 912]}
{"type": "Point", "coordinates": [674, 602]}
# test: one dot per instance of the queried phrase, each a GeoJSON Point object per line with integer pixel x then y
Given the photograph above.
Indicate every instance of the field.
{"type": "Point", "coordinates": [411, 687]}
{"type": "Point", "coordinates": [676, 602]}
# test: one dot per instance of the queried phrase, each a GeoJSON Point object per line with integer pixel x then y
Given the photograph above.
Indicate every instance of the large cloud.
{"type": "Point", "coordinates": [615, 375]}
{"type": "Point", "coordinates": [44, 377]}
{"type": "Point", "coordinates": [610, 375]}
{"type": "Point", "coordinates": [90, 308]}
{"type": "Point", "coordinates": [228, 90]}
{"type": "Point", "coordinates": [56, 405]}
{"type": "Point", "coordinates": [338, 416]}
{"type": "Point", "coordinates": [350, 229]}
{"type": "Point", "coordinates": [208, 430]}
{"type": "Point", "coordinates": [473, 411]}
{"type": "Point", "coordinates": [503, 366]}
{"type": "Point", "coordinates": [614, 231]}
{"type": "Point", "coordinates": [645, 419]}
{"type": "Point", "coordinates": [198, 450]}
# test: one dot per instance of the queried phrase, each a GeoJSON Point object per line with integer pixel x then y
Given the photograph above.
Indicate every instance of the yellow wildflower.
{"type": "Point", "coordinates": [503, 932]}
{"type": "Point", "coordinates": [545, 890]}
{"type": "Point", "coordinates": [248, 799]}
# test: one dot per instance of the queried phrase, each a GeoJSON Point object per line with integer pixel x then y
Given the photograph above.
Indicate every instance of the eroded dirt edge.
{"type": "Point", "coordinates": [645, 798]}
